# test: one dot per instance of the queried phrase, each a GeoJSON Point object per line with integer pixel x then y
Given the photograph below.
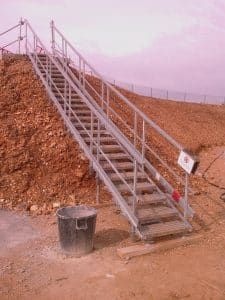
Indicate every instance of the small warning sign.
{"type": "Point", "coordinates": [187, 162]}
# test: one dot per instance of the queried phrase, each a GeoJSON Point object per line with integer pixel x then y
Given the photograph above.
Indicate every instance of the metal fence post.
{"type": "Point", "coordinates": [53, 36]}
{"type": "Point", "coordinates": [20, 33]}
{"type": "Point", "coordinates": [186, 195]}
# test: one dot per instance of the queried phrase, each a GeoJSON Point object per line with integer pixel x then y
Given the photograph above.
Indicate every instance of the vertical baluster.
{"type": "Point", "coordinates": [69, 101]}
{"type": "Point", "coordinates": [26, 37]}
{"type": "Point", "coordinates": [47, 71]}
{"type": "Point", "coordinates": [79, 69]}
{"type": "Point", "coordinates": [20, 35]}
{"type": "Point", "coordinates": [143, 142]}
{"type": "Point", "coordinates": [97, 176]}
{"type": "Point", "coordinates": [83, 74]}
{"type": "Point", "coordinates": [134, 204]}
{"type": "Point", "coordinates": [135, 129]}
{"type": "Point", "coordinates": [107, 98]}
{"type": "Point", "coordinates": [65, 94]}
{"type": "Point", "coordinates": [102, 95]}
{"type": "Point", "coordinates": [91, 142]}
{"type": "Point", "coordinates": [186, 196]}
{"type": "Point", "coordinates": [50, 73]}
{"type": "Point", "coordinates": [53, 36]}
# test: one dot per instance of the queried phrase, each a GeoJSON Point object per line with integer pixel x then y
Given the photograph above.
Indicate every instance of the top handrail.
{"type": "Point", "coordinates": [143, 116]}
{"type": "Point", "coordinates": [12, 28]}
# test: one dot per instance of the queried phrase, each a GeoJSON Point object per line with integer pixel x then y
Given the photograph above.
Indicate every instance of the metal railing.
{"type": "Point", "coordinates": [5, 47]}
{"type": "Point", "coordinates": [138, 134]}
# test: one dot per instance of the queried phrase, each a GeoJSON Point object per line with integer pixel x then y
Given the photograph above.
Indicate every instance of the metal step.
{"type": "Point", "coordinates": [155, 213]}
{"type": "Point", "coordinates": [95, 132]}
{"type": "Point", "coordinates": [117, 156]}
{"type": "Point", "coordinates": [118, 165]}
{"type": "Point", "coordinates": [148, 199]}
{"type": "Point", "coordinates": [140, 187]}
{"type": "Point", "coordinates": [103, 139]}
{"type": "Point", "coordinates": [84, 119]}
{"type": "Point", "coordinates": [108, 148]}
{"type": "Point", "coordinates": [163, 229]}
{"type": "Point", "coordinates": [126, 176]}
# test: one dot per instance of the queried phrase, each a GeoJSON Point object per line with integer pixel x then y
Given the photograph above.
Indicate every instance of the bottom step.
{"type": "Point", "coordinates": [163, 229]}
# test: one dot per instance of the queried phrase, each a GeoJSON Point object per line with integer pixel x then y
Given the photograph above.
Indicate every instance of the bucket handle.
{"type": "Point", "coordinates": [81, 224]}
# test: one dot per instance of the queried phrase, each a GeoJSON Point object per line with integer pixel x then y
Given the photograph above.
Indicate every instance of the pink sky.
{"type": "Point", "coordinates": [176, 44]}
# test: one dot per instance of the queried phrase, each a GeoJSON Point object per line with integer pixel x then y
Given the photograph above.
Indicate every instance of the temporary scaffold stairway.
{"type": "Point", "coordinates": [118, 150]}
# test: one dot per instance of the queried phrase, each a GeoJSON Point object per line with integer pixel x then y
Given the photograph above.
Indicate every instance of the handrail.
{"type": "Point", "coordinates": [10, 29]}
{"type": "Point", "coordinates": [144, 117]}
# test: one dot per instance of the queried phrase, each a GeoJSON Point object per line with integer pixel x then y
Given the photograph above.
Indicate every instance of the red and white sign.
{"type": "Point", "coordinates": [186, 162]}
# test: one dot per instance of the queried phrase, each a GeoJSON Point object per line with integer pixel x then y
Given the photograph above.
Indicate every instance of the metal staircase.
{"type": "Point", "coordinates": [118, 150]}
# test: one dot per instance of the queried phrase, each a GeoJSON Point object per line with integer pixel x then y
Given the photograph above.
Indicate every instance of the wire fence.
{"type": "Point", "coordinates": [168, 94]}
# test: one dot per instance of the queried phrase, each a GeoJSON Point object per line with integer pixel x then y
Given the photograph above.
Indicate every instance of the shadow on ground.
{"type": "Point", "coordinates": [109, 237]}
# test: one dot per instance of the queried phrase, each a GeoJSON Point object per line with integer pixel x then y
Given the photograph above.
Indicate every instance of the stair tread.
{"type": "Point", "coordinates": [140, 186]}
{"type": "Point", "coordinates": [102, 139]}
{"type": "Point", "coordinates": [156, 212]}
{"type": "Point", "coordinates": [126, 175]}
{"type": "Point", "coordinates": [147, 199]}
{"type": "Point", "coordinates": [118, 165]}
{"type": "Point", "coordinates": [95, 132]}
{"type": "Point", "coordinates": [163, 229]}
{"type": "Point", "coordinates": [116, 156]}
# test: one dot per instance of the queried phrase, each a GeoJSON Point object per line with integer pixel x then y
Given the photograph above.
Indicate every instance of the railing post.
{"type": "Point", "coordinates": [186, 196]}
{"type": "Point", "coordinates": [107, 98]}
{"type": "Point", "coordinates": [20, 33]}
{"type": "Point", "coordinates": [69, 101]}
{"type": "Point", "coordinates": [91, 143]}
{"type": "Point", "coordinates": [135, 129]}
{"type": "Point", "coordinates": [79, 69]}
{"type": "Point", "coordinates": [26, 37]}
{"type": "Point", "coordinates": [134, 204]}
{"type": "Point", "coordinates": [52, 25]}
{"type": "Point", "coordinates": [143, 142]}
{"type": "Point", "coordinates": [102, 93]}
{"type": "Point", "coordinates": [84, 75]}
{"type": "Point", "coordinates": [97, 176]}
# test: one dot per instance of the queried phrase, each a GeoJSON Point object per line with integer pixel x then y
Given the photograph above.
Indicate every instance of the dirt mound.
{"type": "Point", "coordinates": [41, 164]}
{"type": "Point", "coordinates": [195, 126]}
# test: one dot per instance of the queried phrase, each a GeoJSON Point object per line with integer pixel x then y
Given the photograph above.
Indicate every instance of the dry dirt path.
{"type": "Point", "coordinates": [33, 267]}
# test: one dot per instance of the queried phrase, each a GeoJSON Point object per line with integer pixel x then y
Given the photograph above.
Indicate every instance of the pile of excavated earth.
{"type": "Point", "coordinates": [42, 167]}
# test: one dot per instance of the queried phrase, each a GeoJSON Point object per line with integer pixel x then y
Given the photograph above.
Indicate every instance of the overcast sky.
{"type": "Point", "coordinates": [175, 44]}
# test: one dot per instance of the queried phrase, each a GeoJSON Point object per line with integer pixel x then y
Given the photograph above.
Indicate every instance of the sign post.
{"type": "Point", "coordinates": [189, 164]}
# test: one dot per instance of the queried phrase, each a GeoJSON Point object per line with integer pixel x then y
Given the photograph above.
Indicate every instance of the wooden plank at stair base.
{"type": "Point", "coordinates": [154, 213]}
{"type": "Point", "coordinates": [148, 199]}
{"type": "Point", "coordinates": [126, 176]}
{"type": "Point", "coordinates": [142, 249]}
{"type": "Point", "coordinates": [140, 187]}
{"type": "Point", "coordinates": [163, 229]}
{"type": "Point", "coordinates": [118, 165]}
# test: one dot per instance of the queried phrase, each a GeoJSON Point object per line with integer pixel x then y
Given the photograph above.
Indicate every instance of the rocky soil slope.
{"type": "Point", "coordinates": [41, 165]}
